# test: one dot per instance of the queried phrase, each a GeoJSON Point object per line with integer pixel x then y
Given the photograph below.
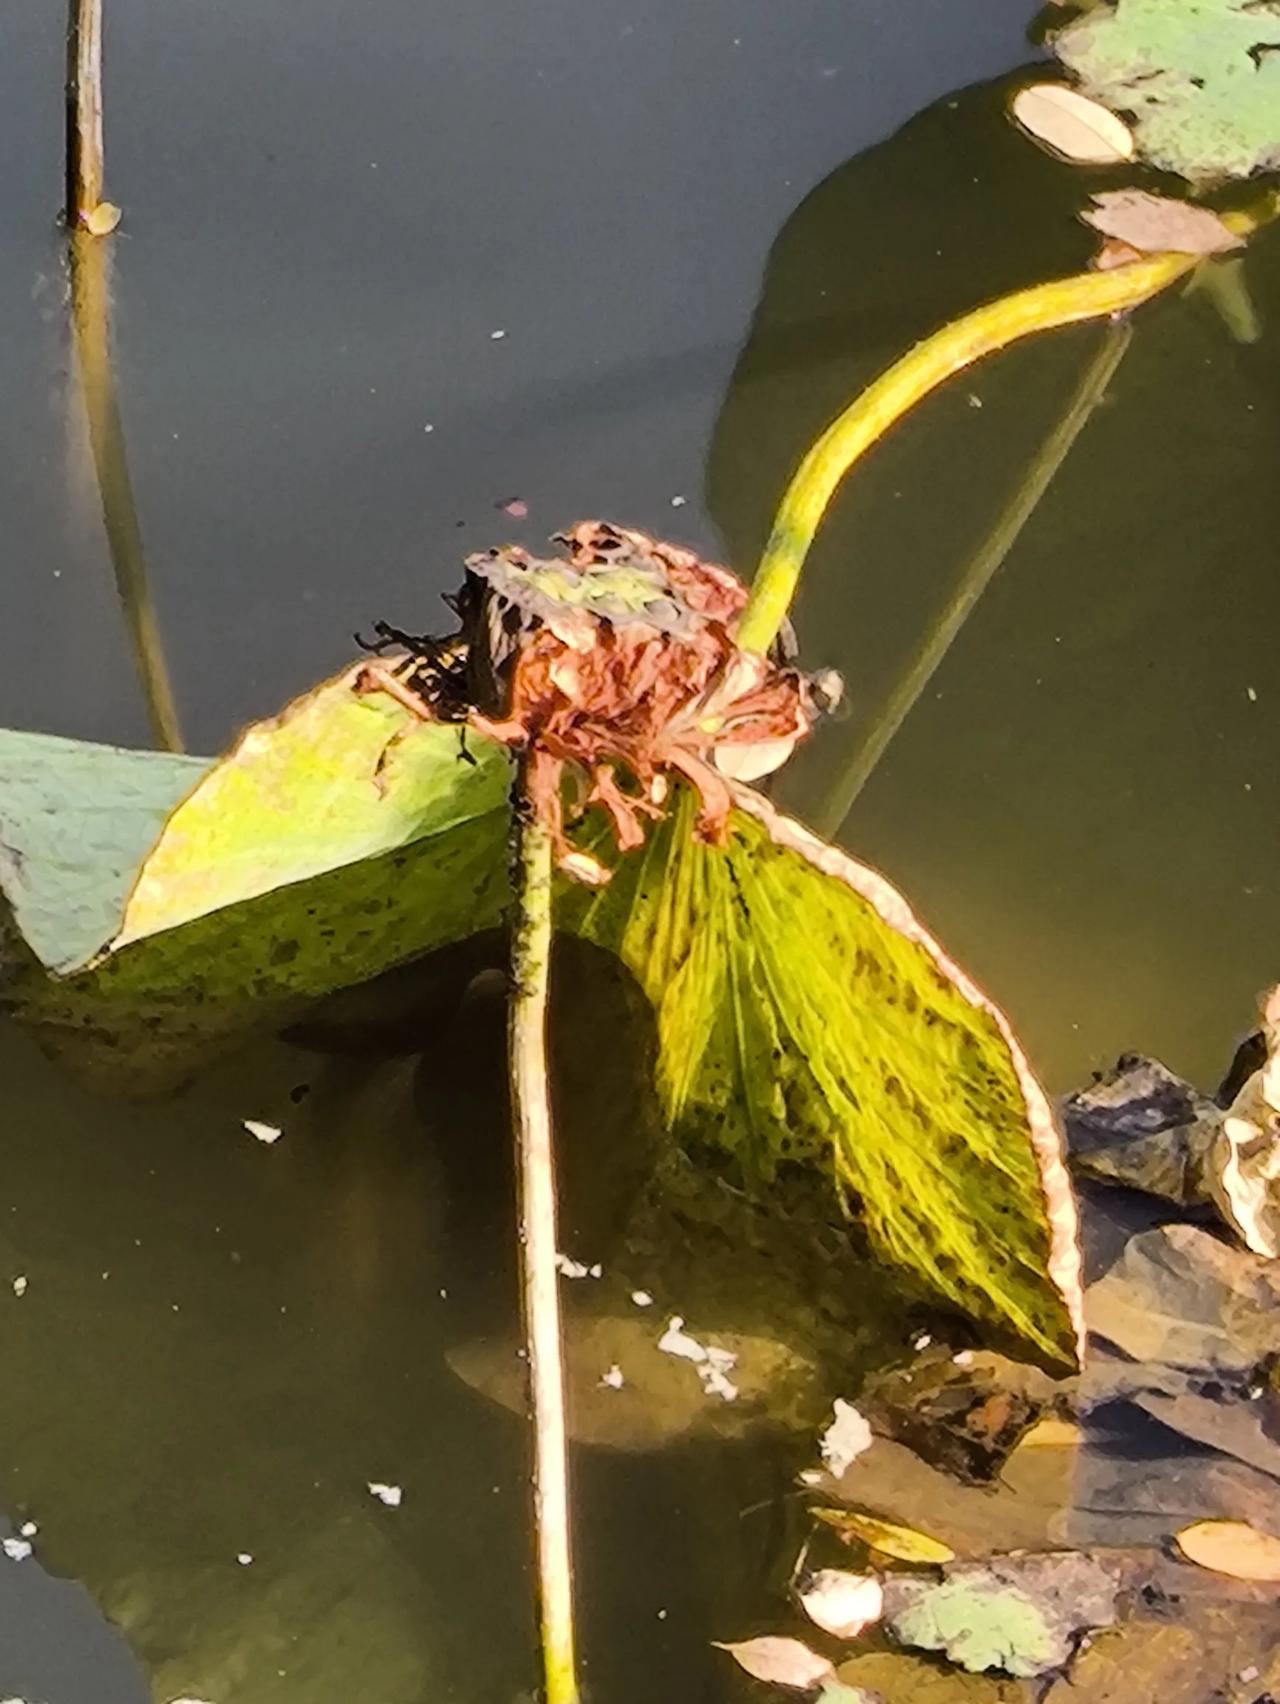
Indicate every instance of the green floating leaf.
{"type": "Point", "coordinates": [1199, 78]}
{"type": "Point", "coordinates": [804, 1016]}
{"type": "Point", "coordinates": [321, 850]}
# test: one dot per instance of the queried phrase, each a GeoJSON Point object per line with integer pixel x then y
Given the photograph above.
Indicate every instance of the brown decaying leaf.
{"type": "Point", "coordinates": [781, 1662]}
{"type": "Point", "coordinates": [1231, 1547]}
{"type": "Point", "coordinates": [1157, 224]}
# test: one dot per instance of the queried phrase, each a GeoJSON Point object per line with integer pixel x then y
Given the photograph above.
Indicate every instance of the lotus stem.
{"type": "Point", "coordinates": [535, 1167]}
{"type": "Point", "coordinates": [985, 331]}
{"type": "Point", "coordinates": [90, 312]}
{"type": "Point", "coordinates": [84, 109]}
{"type": "Point", "coordinates": [977, 576]}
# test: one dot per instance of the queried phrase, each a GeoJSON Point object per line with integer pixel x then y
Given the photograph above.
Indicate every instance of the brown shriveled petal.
{"type": "Point", "coordinates": [618, 661]}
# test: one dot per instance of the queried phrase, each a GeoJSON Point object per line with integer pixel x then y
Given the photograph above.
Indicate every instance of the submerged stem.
{"type": "Point", "coordinates": [977, 576]}
{"type": "Point", "coordinates": [959, 344]}
{"type": "Point", "coordinates": [531, 1117]}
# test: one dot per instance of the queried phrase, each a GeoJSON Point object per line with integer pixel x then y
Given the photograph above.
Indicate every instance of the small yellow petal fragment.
{"type": "Point", "coordinates": [1052, 1435]}
{"type": "Point", "coordinates": [101, 220]}
{"type": "Point", "coordinates": [1072, 126]}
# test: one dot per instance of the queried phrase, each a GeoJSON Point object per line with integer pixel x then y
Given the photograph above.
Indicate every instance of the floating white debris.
{"type": "Point", "coordinates": [613, 1379]}
{"type": "Point", "coordinates": [16, 1549]}
{"type": "Point", "coordinates": [642, 1298]}
{"type": "Point", "coordinates": [678, 502]}
{"type": "Point", "coordinates": [391, 1495]}
{"type": "Point", "coordinates": [676, 1341]}
{"type": "Point", "coordinates": [20, 1285]}
{"type": "Point", "coordinates": [921, 1340]}
{"type": "Point", "coordinates": [1252, 694]}
{"type": "Point", "coordinates": [497, 336]}
{"type": "Point", "coordinates": [845, 1438]}
{"type": "Point", "coordinates": [713, 1364]}
{"type": "Point", "coordinates": [842, 1604]}
{"type": "Point", "coordinates": [28, 1529]}
{"type": "Point", "coordinates": [264, 1132]}
{"type": "Point", "coordinates": [567, 1267]}
{"type": "Point", "coordinates": [244, 1559]}
{"type": "Point", "coordinates": [963, 1359]}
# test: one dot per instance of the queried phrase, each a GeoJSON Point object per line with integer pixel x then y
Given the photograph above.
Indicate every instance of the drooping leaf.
{"type": "Point", "coordinates": [1199, 78]}
{"type": "Point", "coordinates": [1074, 128]}
{"type": "Point", "coordinates": [1232, 1547]}
{"type": "Point", "coordinates": [805, 1017]}
{"type": "Point", "coordinates": [782, 1662]}
{"type": "Point", "coordinates": [321, 850]}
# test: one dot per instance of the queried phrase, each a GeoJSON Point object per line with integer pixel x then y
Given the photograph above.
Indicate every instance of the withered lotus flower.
{"type": "Point", "coordinates": [614, 667]}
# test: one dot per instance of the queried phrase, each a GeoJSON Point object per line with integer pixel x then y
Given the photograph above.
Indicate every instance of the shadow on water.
{"type": "Point", "coordinates": [222, 1342]}
{"type": "Point", "coordinates": [1081, 786]}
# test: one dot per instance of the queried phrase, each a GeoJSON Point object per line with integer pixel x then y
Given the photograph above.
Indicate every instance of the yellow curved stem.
{"type": "Point", "coordinates": [1065, 301]}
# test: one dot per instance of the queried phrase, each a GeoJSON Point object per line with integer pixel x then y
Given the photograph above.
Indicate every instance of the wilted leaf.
{"type": "Point", "coordinates": [1202, 81]}
{"type": "Point", "coordinates": [101, 220]}
{"type": "Point", "coordinates": [962, 1416]}
{"type": "Point", "coordinates": [1231, 1547]}
{"type": "Point", "coordinates": [782, 1662]}
{"type": "Point", "coordinates": [901, 1543]}
{"type": "Point", "coordinates": [1072, 127]}
{"type": "Point", "coordinates": [1022, 1614]}
{"type": "Point", "coordinates": [1182, 1296]}
{"type": "Point", "coordinates": [805, 1016]}
{"type": "Point", "coordinates": [1141, 1126]}
{"type": "Point", "coordinates": [1156, 224]}
{"type": "Point", "coordinates": [841, 1603]}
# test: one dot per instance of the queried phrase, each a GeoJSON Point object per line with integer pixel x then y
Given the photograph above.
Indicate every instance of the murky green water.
{"type": "Point", "coordinates": [698, 230]}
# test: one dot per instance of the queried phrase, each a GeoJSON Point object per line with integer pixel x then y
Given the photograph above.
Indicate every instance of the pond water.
{"type": "Point", "coordinates": [383, 270]}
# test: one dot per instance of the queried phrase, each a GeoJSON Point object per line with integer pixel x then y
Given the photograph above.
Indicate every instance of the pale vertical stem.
{"type": "Point", "coordinates": [84, 109]}
{"type": "Point", "coordinates": [90, 312]}
{"type": "Point", "coordinates": [975, 579]}
{"type": "Point", "coordinates": [535, 1166]}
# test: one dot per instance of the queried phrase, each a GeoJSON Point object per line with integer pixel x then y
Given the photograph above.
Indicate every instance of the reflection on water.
{"type": "Point", "coordinates": [1080, 801]}
{"type": "Point", "coordinates": [91, 259]}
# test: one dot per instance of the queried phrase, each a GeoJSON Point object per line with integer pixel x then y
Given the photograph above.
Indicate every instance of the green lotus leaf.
{"type": "Point", "coordinates": [805, 1017]}
{"type": "Point", "coordinates": [159, 908]}
{"type": "Point", "coordinates": [1200, 80]}
{"type": "Point", "coordinates": [179, 903]}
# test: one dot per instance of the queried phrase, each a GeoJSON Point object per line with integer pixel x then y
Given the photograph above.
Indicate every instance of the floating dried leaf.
{"type": "Point", "coordinates": [782, 1662]}
{"type": "Point", "coordinates": [1072, 126]}
{"type": "Point", "coordinates": [1231, 1547]}
{"type": "Point", "coordinates": [1157, 224]}
{"type": "Point", "coordinates": [902, 1543]}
